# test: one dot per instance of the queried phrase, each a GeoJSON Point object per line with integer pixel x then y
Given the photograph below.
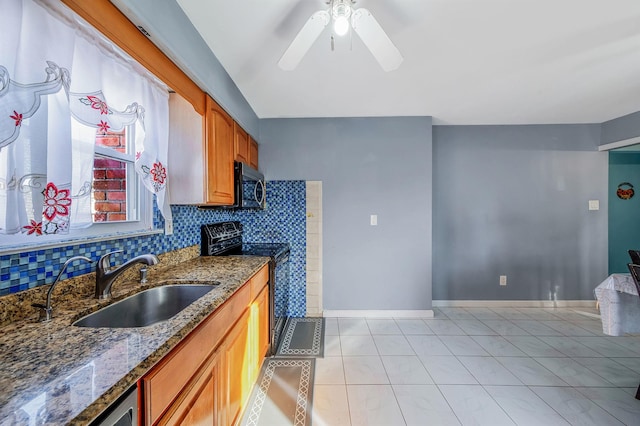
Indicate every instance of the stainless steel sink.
{"type": "Point", "coordinates": [147, 307]}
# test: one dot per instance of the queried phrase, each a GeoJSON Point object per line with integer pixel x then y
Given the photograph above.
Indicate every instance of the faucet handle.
{"type": "Point", "coordinates": [45, 312]}
{"type": "Point", "coordinates": [143, 275]}
{"type": "Point", "coordinates": [105, 261]}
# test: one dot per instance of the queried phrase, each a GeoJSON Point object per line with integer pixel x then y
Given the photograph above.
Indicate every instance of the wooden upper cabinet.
{"type": "Point", "coordinates": [253, 153]}
{"type": "Point", "coordinates": [219, 132]}
{"type": "Point", "coordinates": [186, 167]}
{"type": "Point", "coordinates": [241, 143]}
{"type": "Point", "coordinates": [245, 148]}
{"type": "Point", "coordinates": [200, 154]}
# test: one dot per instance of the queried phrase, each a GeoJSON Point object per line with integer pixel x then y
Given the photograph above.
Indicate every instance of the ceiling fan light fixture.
{"type": "Point", "coordinates": [345, 18]}
{"type": "Point", "coordinates": [341, 12]}
{"type": "Point", "coordinates": [341, 25]}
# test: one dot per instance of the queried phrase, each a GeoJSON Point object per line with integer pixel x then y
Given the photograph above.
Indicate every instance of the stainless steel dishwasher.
{"type": "Point", "coordinates": [124, 412]}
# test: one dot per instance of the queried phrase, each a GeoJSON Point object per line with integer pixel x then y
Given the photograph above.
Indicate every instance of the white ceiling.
{"type": "Point", "coordinates": [465, 61]}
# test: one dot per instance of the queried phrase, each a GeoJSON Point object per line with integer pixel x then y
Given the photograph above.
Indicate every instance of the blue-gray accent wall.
{"type": "Point", "coordinates": [624, 215]}
{"type": "Point", "coordinates": [367, 166]}
{"type": "Point", "coordinates": [513, 200]}
{"type": "Point", "coordinates": [172, 31]}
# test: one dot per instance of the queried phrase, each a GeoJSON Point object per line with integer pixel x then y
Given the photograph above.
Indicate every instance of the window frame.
{"type": "Point", "coordinates": [134, 192]}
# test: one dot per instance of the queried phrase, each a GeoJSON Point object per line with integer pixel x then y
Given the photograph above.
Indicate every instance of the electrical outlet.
{"type": "Point", "coordinates": [503, 280]}
{"type": "Point", "coordinates": [374, 220]}
{"type": "Point", "coordinates": [168, 228]}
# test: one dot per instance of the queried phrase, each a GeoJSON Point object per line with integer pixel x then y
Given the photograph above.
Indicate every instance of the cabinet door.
{"type": "Point", "coordinates": [186, 148]}
{"type": "Point", "coordinates": [199, 402]}
{"type": "Point", "coordinates": [241, 143]}
{"type": "Point", "coordinates": [258, 333]}
{"type": "Point", "coordinates": [219, 155]}
{"type": "Point", "coordinates": [253, 153]}
{"type": "Point", "coordinates": [167, 380]}
{"type": "Point", "coordinates": [237, 366]}
{"type": "Point", "coordinates": [262, 338]}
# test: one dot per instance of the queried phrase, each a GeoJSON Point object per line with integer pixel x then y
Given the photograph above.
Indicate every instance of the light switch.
{"type": "Point", "coordinates": [594, 204]}
{"type": "Point", "coordinates": [374, 220]}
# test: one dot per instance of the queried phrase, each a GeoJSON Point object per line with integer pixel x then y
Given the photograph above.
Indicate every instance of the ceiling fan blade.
{"type": "Point", "coordinates": [376, 40]}
{"type": "Point", "coordinates": [303, 41]}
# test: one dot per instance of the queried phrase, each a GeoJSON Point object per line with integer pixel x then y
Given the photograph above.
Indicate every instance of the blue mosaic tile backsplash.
{"type": "Point", "coordinates": [283, 221]}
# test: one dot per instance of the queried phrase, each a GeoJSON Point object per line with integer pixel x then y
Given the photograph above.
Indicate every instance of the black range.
{"type": "Point", "coordinates": [226, 239]}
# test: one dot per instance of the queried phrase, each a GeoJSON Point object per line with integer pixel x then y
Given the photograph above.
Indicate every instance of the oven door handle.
{"type": "Point", "coordinates": [255, 192]}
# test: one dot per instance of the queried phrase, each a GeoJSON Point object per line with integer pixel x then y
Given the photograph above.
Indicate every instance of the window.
{"type": "Point", "coordinates": [84, 145]}
{"type": "Point", "coordinates": [113, 198]}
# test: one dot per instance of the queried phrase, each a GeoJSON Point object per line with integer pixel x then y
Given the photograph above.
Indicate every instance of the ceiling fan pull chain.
{"type": "Point", "coordinates": [333, 47]}
{"type": "Point", "coordinates": [350, 39]}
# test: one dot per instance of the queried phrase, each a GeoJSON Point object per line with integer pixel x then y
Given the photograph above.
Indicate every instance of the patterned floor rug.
{"type": "Point", "coordinates": [303, 337]}
{"type": "Point", "coordinates": [283, 394]}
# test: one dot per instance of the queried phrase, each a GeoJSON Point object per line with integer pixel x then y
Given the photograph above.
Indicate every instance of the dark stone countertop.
{"type": "Point", "coordinates": [55, 373]}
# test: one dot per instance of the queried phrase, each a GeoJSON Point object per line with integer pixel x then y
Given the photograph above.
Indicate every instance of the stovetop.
{"type": "Point", "coordinates": [274, 250]}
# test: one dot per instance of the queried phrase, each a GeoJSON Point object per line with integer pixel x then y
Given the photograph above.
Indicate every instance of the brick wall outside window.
{"type": "Point", "coordinates": [110, 181]}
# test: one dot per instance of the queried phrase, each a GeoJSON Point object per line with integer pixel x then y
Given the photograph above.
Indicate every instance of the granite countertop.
{"type": "Point", "coordinates": [54, 373]}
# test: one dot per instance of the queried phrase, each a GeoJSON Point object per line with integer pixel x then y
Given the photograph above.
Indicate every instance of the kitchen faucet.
{"type": "Point", "coordinates": [48, 310]}
{"type": "Point", "coordinates": [105, 275]}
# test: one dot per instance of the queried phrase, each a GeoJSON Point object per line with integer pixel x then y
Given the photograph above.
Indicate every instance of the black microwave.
{"type": "Point", "coordinates": [250, 187]}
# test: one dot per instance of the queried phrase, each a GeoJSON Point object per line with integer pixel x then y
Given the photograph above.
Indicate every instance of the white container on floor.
{"type": "Point", "coordinates": [619, 305]}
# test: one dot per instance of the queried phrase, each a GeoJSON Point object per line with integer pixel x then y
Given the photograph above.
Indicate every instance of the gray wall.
{"type": "Point", "coordinates": [174, 34]}
{"type": "Point", "coordinates": [513, 200]}
{"type": "Point", "coordinates": [621, 128]}
{"type": "Point", "coordinates": [368, 166]}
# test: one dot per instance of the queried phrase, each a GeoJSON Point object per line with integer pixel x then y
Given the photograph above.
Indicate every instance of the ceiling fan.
{"type": "Point", "coordinates": [344, 16]}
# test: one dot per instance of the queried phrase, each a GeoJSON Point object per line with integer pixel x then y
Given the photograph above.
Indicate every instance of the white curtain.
{"type": "Point", "coordinates": [60, 83]}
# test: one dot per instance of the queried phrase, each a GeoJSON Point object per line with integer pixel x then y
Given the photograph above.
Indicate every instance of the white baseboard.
{"type": "Point", "coordinates": [514, 303]}
{"type": "Point", "coordinates": [588, 314]}
{"type": "Point", "coordinates": [427, 313]}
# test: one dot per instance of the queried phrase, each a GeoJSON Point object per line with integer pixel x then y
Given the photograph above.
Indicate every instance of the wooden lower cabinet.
{"type": "Point", "coordinates": [244, 351]}
{"type": "Point", "coordinates": [207, 379]}
{"type": "Point", "coordinates": [262, 325]}
{"type": "Point", "coordinates": [199, 402]}
{"type": "Point", "coordinates": [237, 363]}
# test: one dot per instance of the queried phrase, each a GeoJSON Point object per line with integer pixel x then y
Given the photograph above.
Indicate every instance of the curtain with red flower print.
{"type": "Point", "coordinates": [60, 83]}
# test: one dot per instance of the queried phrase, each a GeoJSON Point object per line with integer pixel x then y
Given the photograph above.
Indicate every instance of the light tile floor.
{"type": "Point", "coordinates": [477, 366]}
